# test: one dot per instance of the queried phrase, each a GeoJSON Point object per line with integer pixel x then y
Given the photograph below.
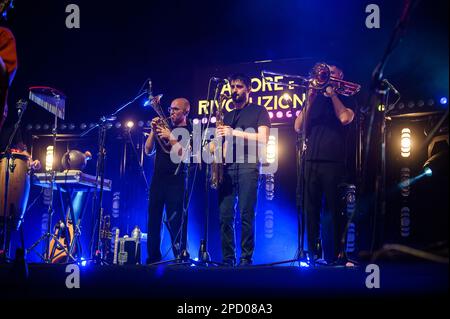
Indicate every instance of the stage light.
{"type": "Point", "coordinates": [196, 121]}
{"type": "Point", "coordinates": [71, 126]}
{"type": "Point", "coordinates": [381, 108]}
{"type": "Point", "coordinates": [420, 103]}
{"type": "Point", "coordinates": [271, 149]}
{"type": "Point", "coordinates": [118, 125]}
{"type": "Point", "coordinates": [271, 115]}
{"type": "Point", "coordinates": [405, 221]}
{"type": "Point", "coordinates": [268, 224]}
{"type": "Point", "coordinates": [289, 114]}
{"type": "Point", "coordinates": [91, 125]}
{"type": "Point", "coordinates": [401, 106]}
{"type": "Point", "coordinates": [279, 114]}
{"type": "Point", "coordinates": [411, 104]}
{"type": "Point", "coordinates": [83, 262]}
{"type": "Point", "coordinates": [29, 127]}
{"type": "Point", "coordinates": [130, 124]}
{"type": "Point", "coordinates": [405, 181]}
{"type": "Point", "coordinates": [443, 100]}
{"type": "Point", "coordinates": [148, 123]}
{"type": "Point", "coordinates": [428, 172]}
{"type": "Point", "coordinates": [297, 113]}
{"type": "Point", "coordinates": [37, 127]}
{"type": "Point", "coordinates": [406, 142]}
{"type": "Point", "coordinates": [304, 264]}
{"type": "Point", "coordinates": [83, 126]}
{"type": "Point", "coordinates": [213, 119]}
{"type": "Point", "coordinates": [46, 127]}
{"type": "Point", "coordinates": [204, 120]}
{"type": "Point", "coordinates": [141, 123]}
{"type": "Point", "coordinates": [63, 126]}
{"type": "Point", "coordinates": [286, 97]}
{"type": "Point", "coordinates": [430, 102]}
{"type": "Point", "coordinates": [49, 158]}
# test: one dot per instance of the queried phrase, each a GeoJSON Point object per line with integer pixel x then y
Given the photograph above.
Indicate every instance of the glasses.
{"type": "Point", "coordinates": [173, 109]}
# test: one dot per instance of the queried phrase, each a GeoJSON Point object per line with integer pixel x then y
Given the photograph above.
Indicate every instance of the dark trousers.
{"type": "Point", "coordinates": [166, 192]}
{"type": "Point", "coordinates": [239, 186]}
{"type": "Point", "coordinates": [321, 193]}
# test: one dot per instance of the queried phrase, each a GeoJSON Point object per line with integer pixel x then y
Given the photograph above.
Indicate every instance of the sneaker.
{"type": "Point", "coordinates": [229, 263]}
{"type": "Point", "coordinates": [245, 262]}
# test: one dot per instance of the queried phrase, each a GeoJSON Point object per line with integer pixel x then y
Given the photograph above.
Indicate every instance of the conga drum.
{"type": "Point", "coordinates": [18, 187]}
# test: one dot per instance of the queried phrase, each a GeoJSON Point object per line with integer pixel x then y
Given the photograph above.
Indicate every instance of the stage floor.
{"type": "Point", "coordinates": [397, 279]}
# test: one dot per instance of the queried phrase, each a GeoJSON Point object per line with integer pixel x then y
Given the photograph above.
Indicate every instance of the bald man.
{"type": "Point", "coordinates": [167, 190]}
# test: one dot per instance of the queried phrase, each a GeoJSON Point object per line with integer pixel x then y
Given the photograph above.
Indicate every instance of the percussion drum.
{"type": "Point", "coordinates": [18, 187]}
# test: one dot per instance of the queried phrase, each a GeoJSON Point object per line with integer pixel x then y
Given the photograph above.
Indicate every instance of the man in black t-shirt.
{"type": "Point", "coordinates": [245, 127]}
{"type": "Point", "coordinates": [325, 116]}
{"type": "Point", "coordinates": [167, 190]}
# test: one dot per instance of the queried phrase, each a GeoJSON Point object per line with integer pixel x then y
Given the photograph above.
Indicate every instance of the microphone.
{"type": "Point", "coordinates": [21, 106]}
{"type": "Point", "coordinates": [220, 80]}
{"type": "Point", "coordinates": [385, 81]}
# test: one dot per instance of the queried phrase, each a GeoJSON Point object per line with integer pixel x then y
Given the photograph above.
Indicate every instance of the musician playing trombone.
{"type": "Point", "coordinates": [323, 120]}
{"type": "Point", "coordinates": [167, 190]}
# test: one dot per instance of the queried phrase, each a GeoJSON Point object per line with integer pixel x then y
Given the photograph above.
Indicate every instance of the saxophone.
{"type": "Point", "coordinates": [217, 164]}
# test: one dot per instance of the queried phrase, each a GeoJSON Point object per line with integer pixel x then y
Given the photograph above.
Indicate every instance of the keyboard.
{"type": "Point", "coordinates": [70, 178]}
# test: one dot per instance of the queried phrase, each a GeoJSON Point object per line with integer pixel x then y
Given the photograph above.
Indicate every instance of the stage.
{"type": "Point", "coordinates": [398, 280]}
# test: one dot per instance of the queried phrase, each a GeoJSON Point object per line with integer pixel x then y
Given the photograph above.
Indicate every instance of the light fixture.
{"type": "Point", "coordinates": [406, 143]}
{"type": "Point", "coordinates": [271, 149]}
{"type": "Point", "coordinates": [49, 158]}
{"type": "Point", "coordinates": [130, 124]}
{"type": "Point", "coordinates": [286, 97]}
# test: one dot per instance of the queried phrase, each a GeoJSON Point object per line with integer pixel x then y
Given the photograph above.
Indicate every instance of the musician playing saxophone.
{"type": "Point", "coordinates": [167, 188]}
{"type": "Point", "coordinates": [246, 124]}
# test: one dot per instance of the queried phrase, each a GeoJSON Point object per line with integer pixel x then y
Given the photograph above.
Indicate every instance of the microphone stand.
{"type": "Point", "coordinates": [204, 256]}
{"type": "Point", "coordinates": [376, 85]}
{"type": "Point", "coordinates": [103, 126]}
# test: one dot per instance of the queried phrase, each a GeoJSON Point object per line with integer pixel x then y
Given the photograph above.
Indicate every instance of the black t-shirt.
{"type": "Point", "coordinates": [326, 136]}
{"type": "Point", "coordinates": [164, 166]}
{"type": "Point", "coordinates": [251, 117]}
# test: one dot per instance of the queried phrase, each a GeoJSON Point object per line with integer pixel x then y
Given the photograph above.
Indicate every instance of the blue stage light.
{"type": "Point", "coordinates": [83, 262]}
{"type": "Point", "coordinates": [304, 264]}
{"type": "Point", "coordinates": [443, 100]}
{"type": "Point", "coordinates": [427, 171]}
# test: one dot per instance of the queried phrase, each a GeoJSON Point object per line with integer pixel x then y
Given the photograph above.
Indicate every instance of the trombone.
{"type": "Point", "coordinates": [319, 79]}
